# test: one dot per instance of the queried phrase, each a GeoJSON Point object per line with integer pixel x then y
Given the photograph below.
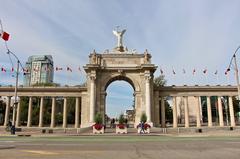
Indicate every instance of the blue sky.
{"type": "Point", "coordinates": [184, 34]}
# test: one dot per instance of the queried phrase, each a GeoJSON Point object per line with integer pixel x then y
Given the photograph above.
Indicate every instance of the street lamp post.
{"type": "Point", "coordinates": [236, 77]}
{"type": "Point", "coordinates": [15, 92]}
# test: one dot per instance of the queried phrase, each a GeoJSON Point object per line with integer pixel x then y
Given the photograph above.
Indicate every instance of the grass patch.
{"type": "Point", "coordinates": [121, 139]}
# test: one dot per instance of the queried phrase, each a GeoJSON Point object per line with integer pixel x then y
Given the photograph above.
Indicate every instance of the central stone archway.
{"type": "Point", "coordinates": [120, 99]}
{"type": "Point", "coordinates": [103, 69]}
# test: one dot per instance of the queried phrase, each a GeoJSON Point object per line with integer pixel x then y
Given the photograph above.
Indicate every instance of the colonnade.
{"type": "Point", "coordinates": [198, 109]}
{"type": "Point", "coordinates": [41, 112]}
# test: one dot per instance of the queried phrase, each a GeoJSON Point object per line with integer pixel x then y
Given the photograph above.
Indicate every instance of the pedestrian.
{"type": "Point", "coordinates": [113, 123]}
{"type": "Point", "coordinates": [142, 127]}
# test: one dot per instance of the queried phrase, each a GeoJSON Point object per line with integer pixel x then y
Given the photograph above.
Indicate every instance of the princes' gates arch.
{"type": "Point", "coordinates": [136, 69]}
{"type": "Point", "coordinates": [188, 106]}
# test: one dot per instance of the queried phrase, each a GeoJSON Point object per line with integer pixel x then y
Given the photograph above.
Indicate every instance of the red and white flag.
{"type": "Point", "coordinates": [69, 69]}
{"type": "Point", "coordinates": [226, 72]}
{"type": "Point", "coordinates": [59, 68]}
{"type": "Point", "coordinates": [4, 35]}
{"type": "Point", "coordinates": [205, 71]}
{"type": "Point", "coordinates": [161, 71]}
{"type": "Point", "coordinates": [3, 69]}
{"type": "Point", "coordinates": [25, 70]}
{"type": "Point", "coordinates": [194, 71]}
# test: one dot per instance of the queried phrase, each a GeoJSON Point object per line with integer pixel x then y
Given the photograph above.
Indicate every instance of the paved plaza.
{"type": "Point", "coordinates": [119, 147]}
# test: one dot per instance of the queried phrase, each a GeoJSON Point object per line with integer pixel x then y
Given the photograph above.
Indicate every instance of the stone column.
{"type": "Point", "coordinates": [156, 108]}
{"type": "Point", "coordinates": [231, 111]}
{"type": "Point", "coordinates": [7, 111]}
{"type": "Point", "coordinates": [209, 112]}
{"type": "Point", "coordinates": [220, 112]}
{"type": "Point", "coordinates": [18, 112]}
{"type": "Point", "coordinates": [77, 113]}
{"type": "Point", "coordinates": [41, 113]}
{"type": "Point", "coordinates": [175, 112]}
{"type": "Point", "coordinates": [64, 113]}
{"type": "Point", "coordinates": [163, 116]}
{"type": "Point", "coordinates": [148, 98]}
{"type": "Point", "coordinates": [186, 112]}
{"type": "Point", "coordinates": [92, 98]}
{"type": "Point", "coordinates": [29, 122]}
{"type": "Point", "coordinates": [52, 125]}
{"type": "Point", "coordinates": [198, 113]}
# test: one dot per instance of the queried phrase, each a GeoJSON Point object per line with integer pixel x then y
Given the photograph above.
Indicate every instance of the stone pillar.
{"type": "Point", "coordinates": [220, 112]}
{"type": "Point", "coordinates": [198, 113]}
{"type": "Point", "coordinates": [156, 108]}
{"type": "Point", "coordinates": [92, 98]}
{"type": "Point", "coordinates": [231, 111]}
{"type": "Point", "coordinates": [209, 112]}
{"type": "Point", "coordinates": [64, 113]}
{"type": "Point", "coordinates": [7, 111]}
{"type": "Point", "coordinates": [52, 125]}
{"type": "Point", "coordinates": [29, 122]}
{"type": "Point", "coordinates": [41, 113]}
{"type": "Point", "coordinates": [77, 113]}
{"type": "Point", "coordinates": [148, 98]}
{"type": "Point", "coordinates": [163, 116]}
{"type": "Point", "coordinates": [18, 112]}
{"type": "Point", "coordinates": [175, 112]}
{"type": "Point", "coordinates": [186, 112]}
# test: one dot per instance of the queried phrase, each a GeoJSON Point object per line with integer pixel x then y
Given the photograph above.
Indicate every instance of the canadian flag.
{"type": "Point", "coordinates": [69, 69]}
{"type": "Point", "coordinates": [161, 71]}
{"type": "Point", "coordinates": [226, 72]}
{"type": "Point", "coordinates": [3, 69]}
{"type": "Point", "coordinates": [205, 71]}
{"type": "Point", "coordinates": [4, 35]}
{"type": "Point", "coordinates": [59, 68]}
{"type": "Point", "coordinates": [194, 71]}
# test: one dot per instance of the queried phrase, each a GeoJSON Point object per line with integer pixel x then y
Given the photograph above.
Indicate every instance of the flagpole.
{"type": "Point", "coordinates": [206, 78]}
{"type": "Point", "coordinates": [217, 79]}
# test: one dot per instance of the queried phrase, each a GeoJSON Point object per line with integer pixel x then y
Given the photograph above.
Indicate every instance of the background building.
{"type": "Point", "coordinates": [39, 69]}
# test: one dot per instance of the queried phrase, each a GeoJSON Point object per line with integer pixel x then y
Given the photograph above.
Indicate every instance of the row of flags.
{"type": "Point", "coordinates": [205, 71]}
{"type": "Point", "coordinates": [70, 69]}
{"type": "Point", "coordinates": [37, 69]}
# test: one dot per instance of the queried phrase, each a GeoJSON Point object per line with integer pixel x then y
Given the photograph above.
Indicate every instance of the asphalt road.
{"type": "Point", "coordinates": [120, 147]}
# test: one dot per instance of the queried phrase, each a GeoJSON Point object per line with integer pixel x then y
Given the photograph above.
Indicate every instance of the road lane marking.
{"type": "Point", "coordinates": [41, 152]}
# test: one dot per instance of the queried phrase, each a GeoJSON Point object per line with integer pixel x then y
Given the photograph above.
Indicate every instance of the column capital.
{"type": "Point", "coordinates": [147, 77]}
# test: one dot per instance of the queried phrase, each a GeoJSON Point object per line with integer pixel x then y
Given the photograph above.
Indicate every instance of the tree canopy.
{"type": "Point", "coordinates": [159, 81]}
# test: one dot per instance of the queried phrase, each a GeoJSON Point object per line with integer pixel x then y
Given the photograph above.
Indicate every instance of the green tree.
{"type": "Point", "coordinates": [159, 81]}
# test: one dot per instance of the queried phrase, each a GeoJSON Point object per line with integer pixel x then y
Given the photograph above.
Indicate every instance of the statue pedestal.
{"type": "Point", "coordinates": [120, 48]}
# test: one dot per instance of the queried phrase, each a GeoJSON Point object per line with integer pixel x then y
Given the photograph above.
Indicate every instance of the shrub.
{"type": "Point", "coordinates": [121, 119]}
{"type": "Point", "coordinates": [143, 118]}
{"type": "Point", "coordinates": [98, 119]}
